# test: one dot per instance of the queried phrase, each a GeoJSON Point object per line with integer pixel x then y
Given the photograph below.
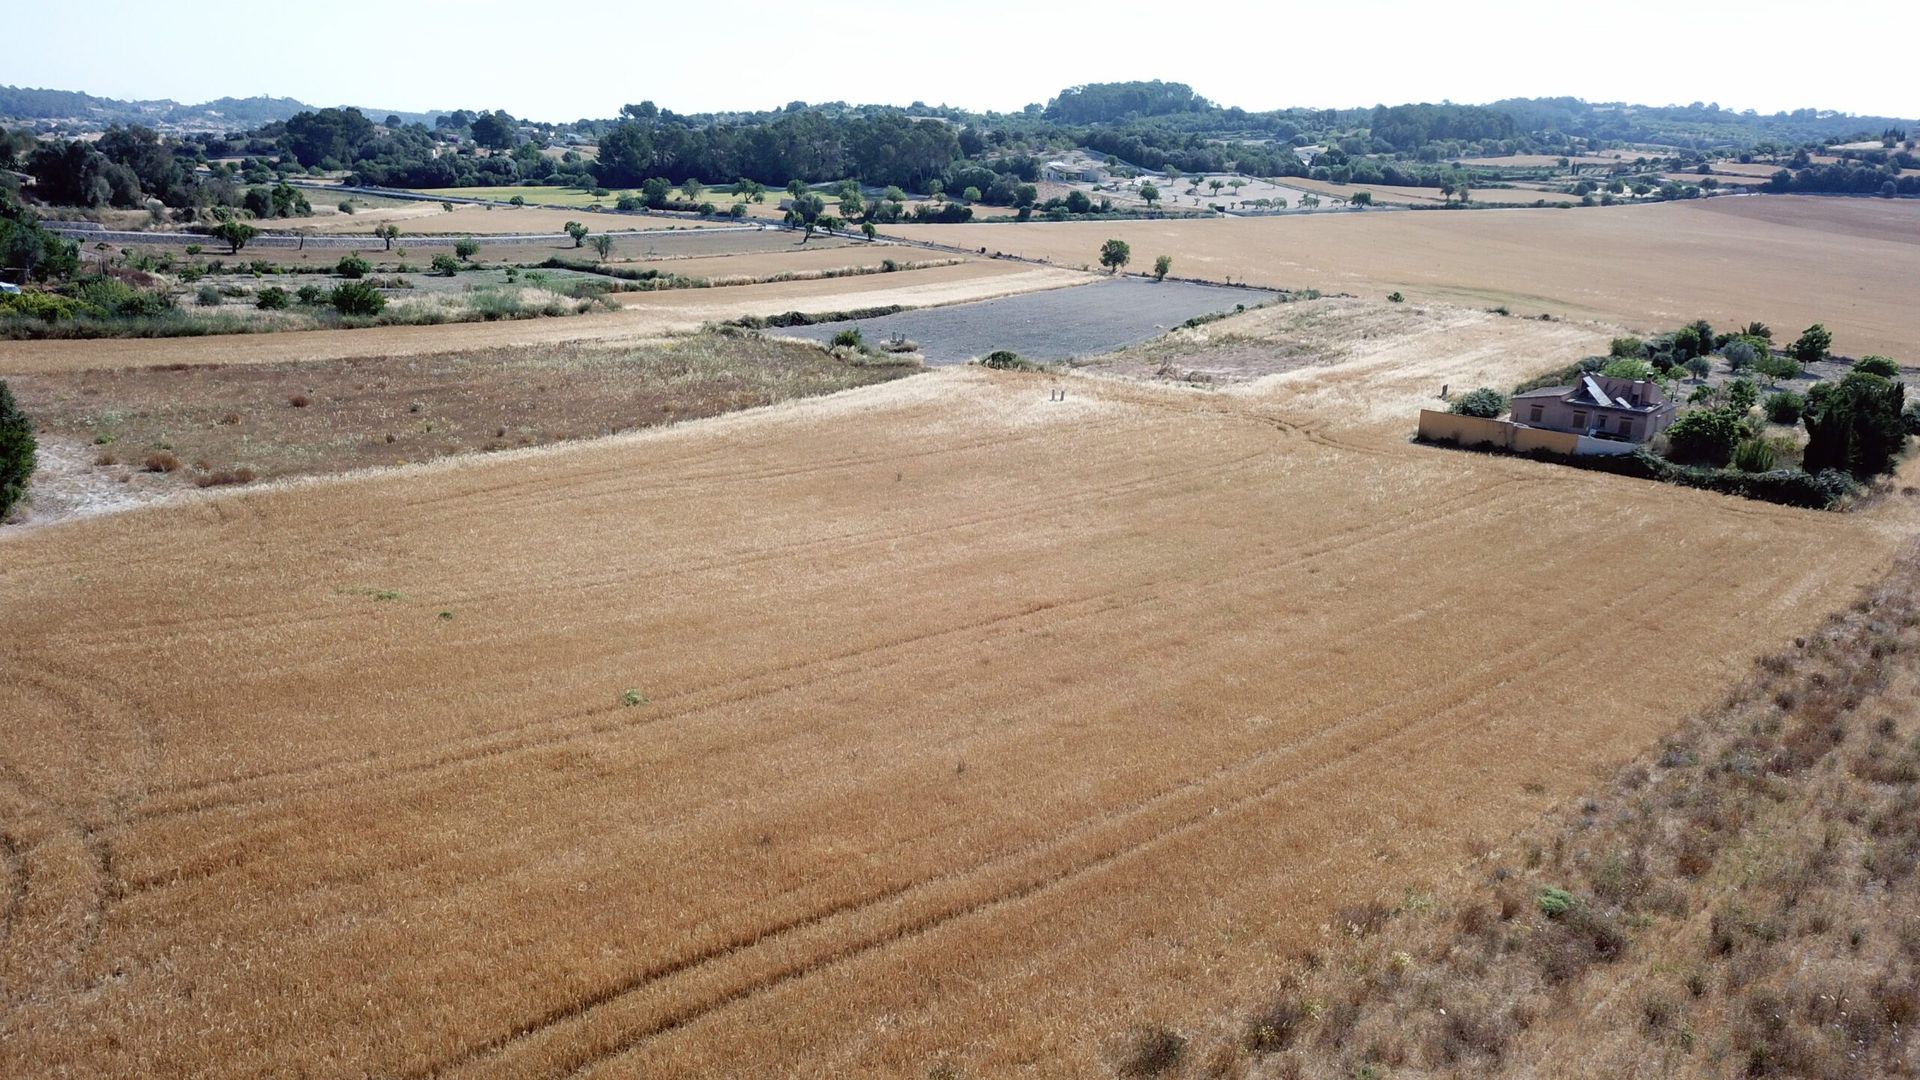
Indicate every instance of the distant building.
{"type": "Point", "coordinates": [1308, 154]}
{"type": "Point", "coordinates": [1629, 410]}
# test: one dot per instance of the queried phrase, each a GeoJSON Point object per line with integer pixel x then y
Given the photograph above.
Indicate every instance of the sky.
{"type": "Point", "coordinates": [559, 62]}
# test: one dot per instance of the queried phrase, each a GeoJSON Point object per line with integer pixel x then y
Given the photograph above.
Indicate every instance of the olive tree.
{"type": "Point", "coordinates": [1114, 255]}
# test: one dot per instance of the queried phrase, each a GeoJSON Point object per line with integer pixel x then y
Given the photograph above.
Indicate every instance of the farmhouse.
{"type": "Point", "coordinates": [1630, 410]}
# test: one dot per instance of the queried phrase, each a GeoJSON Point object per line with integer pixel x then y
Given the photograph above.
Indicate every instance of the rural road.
{"type": "Point", "coordinates": [356, 241]}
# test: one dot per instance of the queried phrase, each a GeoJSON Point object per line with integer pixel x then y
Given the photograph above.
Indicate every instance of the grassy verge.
{"type": "Point", "coordinates": [481, 305]}
{"type": "Point", "coordinates": [1741, 901]}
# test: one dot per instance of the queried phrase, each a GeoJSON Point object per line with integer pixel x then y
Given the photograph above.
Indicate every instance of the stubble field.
{"type": "Point", "coordinates": [1789, 261]}
{"type": "Point", "coordinates": [931, 724]}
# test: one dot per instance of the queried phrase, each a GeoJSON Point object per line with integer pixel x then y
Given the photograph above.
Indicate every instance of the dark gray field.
{"type": "Point", "coordinates": [1059, 324]}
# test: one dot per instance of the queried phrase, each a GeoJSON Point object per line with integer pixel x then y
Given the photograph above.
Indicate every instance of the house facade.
{"type": "Point", "coordinates": [1626, 410]}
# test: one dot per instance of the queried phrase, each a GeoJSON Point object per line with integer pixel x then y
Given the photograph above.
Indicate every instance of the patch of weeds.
{"type": "Point", "coordinates": [1555, 902]}
{"type": "Point", "coordinates": [631, 697]}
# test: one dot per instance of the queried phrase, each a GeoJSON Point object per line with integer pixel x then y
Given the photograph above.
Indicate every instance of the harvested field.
{"type": "Point", "coordinates": [929, 725]}
{"type": "Point", "coordinates": [1418, 196]}
{"type": "Point", "coordinates": [643, 315]}
{"type": "Point", "coordinates": [1548, 161]}
{"type": "Point", "coordinates": [1651, 267]}
{"type": "Point", "coordinates": [1057, 325]}
{"type": "Point", "coordinates": [268, 421]}
{"type": "Point", "coordinates": [464, 218]}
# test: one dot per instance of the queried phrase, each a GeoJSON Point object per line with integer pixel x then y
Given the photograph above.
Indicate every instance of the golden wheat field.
{"type": "Point", "coordinates": [931, 724]}
{"type": "Point", "coordinates": [1789, 261]}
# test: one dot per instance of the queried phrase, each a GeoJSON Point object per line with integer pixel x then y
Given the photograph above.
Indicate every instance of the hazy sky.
{"type": "Point", "coordinates": [563, 61]}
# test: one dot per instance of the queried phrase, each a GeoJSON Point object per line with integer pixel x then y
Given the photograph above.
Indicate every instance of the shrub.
{"type": "Point", "coordinates": [352, 266]}
{"type": "Point", "coordinates": [1742, 394]}
{"type": "Point", "coordinates": [272, 298]}
{"type": "Point", "coordinates": [310, 294]}
{"type": "Point", "coordinates": [1627, 367]}
{"type": "Point", "coordinates": [466, 248]}
{"type": "Point", "coordinates": [17, 450]}
{"type": "Point", "coordinates": [161, 461]}
{"type": "Point", "coordinates": [1555, 902]}
{"type": "Point", "coordinates": [446, 265]}
{"type": "Point", "coordinates": [1631, 348]}
{"type": "Point", "coordinates": [1003, 360]}
{"type": "Point", "coordinates": [1161, 265]}
{"type": "Point", "coordinates": [299, 401]}
{"type": "Point", "coordinates": [1485, 402]}
{"type": "Point", "coordinates": [1149, 1051]}
{"type": "Point", "coordinates": [47, 307]}
{"type": "Point", "coordinates": [1395, 297]}
{"type": "Point", "coordinates": [849, 339]}
{"type": "Point", "coordinates": [1877, 365]}
{"type": "Point", "coordinates": [346, 207]}
{"type": "Point", "coordinates": [208, 296]}
{"type": "Point", "coordinates": [1739, 356]}
{"type": "Point", "coordinates": [357, 298]}
{"type": "Point", "coordinates": [1754, 456]}
{"type": "Point", "coordinates": [1705, 437]}
{"type": "Point", "coordinates": [1777, 366]}
{"type": "Point", "coordinates": [1855, 425]}
{"type": "Point", "coordinates": [1785, 406]}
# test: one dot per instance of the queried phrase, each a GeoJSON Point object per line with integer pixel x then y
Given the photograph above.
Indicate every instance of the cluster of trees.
{"type": "Point", "coordinates": [1409, 127]}
{"type": "Point", "coordinates": [1885, 180]}
{"type": "Point", "coordinates": [1106, 103]}
{"type": "Point", "coordinates": [34, 252]}
{"type": "Point", "coordinates": [884, 147]}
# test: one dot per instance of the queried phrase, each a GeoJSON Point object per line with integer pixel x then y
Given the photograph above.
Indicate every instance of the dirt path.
{"type": "Point", "coordinates": [643, 315]}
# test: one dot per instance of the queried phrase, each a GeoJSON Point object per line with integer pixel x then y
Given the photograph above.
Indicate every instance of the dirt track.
{"type": "Point", "coordinates": [644, 315]}
{"type": "Point", "coordinates": [964, 728]}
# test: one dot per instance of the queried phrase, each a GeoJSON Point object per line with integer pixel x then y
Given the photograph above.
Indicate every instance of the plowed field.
{"type": "Point", "coordinates": [932, 724]}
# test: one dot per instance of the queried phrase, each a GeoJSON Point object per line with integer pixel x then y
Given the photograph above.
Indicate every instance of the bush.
{"type": "Point", "coordinates": [1739, 356]}
{"type": "Point", "coordinates": [1856, 425]}
{"type": "Point", "coordinates": [1742, 394]}
{"type": "Point", "coordinates": [1811, 347]}
{"type": "Point", "coordinates": [1395, 298]}
{"type": "Point", "coordinates": [1877, 365]}
{"type": "Point", "coordinates": [352, 266]}
{"type": "Point", "coordinates": [1705, 437]}
{"type": "Point", "coordinates": [310, 294]}
{"type": "Point", "coordinates": [357, 298]}
{"type": "Point", "coordinates": [849, 339]}
{"type": "Point", "coordinates": [1485, 402]}
{"type": "Point", "coordinates": [1785, 406]}
{"type": "Point", "coordinates": [1629, 348]}
{"type": "Point", "coordinates": [17, 450]}
{"type": "Point", "coordinates": [1754, 456]}
{"type": "Point", "coordinates": [466, 248]}
{"type": "Point", "coordinates": [1555, 902]}
{"type": "Point", "coordinates": [272, 298]}
{"type": "Point", "coordinates": [208, 296]}
{"type": "Point", "coordinates": [1628, 368]}
{"type": "Point", "coordinates": [445, 265]}
{"type": "Point", "coordinates": [346, 207]}
{"type": "Point", "coordinates": [1777, 366]}
{"type": "Point", "coordinates": [1003, 360]}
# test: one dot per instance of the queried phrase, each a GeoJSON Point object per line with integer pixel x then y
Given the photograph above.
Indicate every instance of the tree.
{"type": "Point", "coordinates": [445, 265]}
{"type": "Point", "coordinates": [805, 213]}
{"type": "Point", "coordinates": [357, 298]}
{"type": "Point", "coordinates": [970, 195]}
{"type": "Point", "coordinates": [1160, 267]}
{"type": "Point", "coordinates": [1739, 355]}
{"type": "Point", "coordinates": [937, 190]}
{"type": "Point", "coordinates": [1077, 202]}
{"type": "Point", "coordinates": [867, 230]}
{"type": "Point", "coordinates": [1486, 403]}
{"type": "Point", "coordinates": [1215, 185]}
{"type": "Point", "coordinates": [1877, 365]}
{"type": "Point", "coordinates": [1362, 198]}
{"type": "Point", "coordinates": [1785, 406]}
{"type": "Point", "coordinates": [1705, 437]}
{"type": "Point", "coordinates": [352, 266]}
{"type": "Point", "coordinates": [1811, 347]}
{"type": "Point", "coordinates": [1114, 255]}
{"type": "Point", "coordinates": [693, 189]}
{"type": "Point", "coordinates": [577, 231]}
{"type": "Point", "coordinates": [603, 246]}
{"type": "Point", "coordinates": [1149, 194]}
{"type": "Point", "coordinates": [466, 247]}
{"type": "Point", "coordinates": [654, 191]}
{"type": "Point", "coordinates": [1698, 366]}
{"type": "Point", "coordinates": [235, 233]}
{"type": "Point", "coordinates": [1742, 395]}
{"type": "Point", "coordinates": [17, 448]}
{"type": "Point", "coordinates": [1855, 425]}
{"type": "Point", "coordinates": [387, 233]}
{"type": "Point", "coordinates": [1777, 366]}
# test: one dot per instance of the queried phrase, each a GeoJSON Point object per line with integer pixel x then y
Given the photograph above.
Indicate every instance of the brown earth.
{"type": "Point", "coordinates": [934, 724]}
{"type": "Point", "coordinates": [1789, 261]}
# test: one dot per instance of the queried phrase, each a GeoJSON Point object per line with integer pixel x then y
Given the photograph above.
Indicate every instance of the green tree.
{"type": "Point", "coordinates": [970, 196]}
{"type": "Point", "coordinates": [867, 230]}
{"type": "Point", "coordinates": [655, 191]}
{"type": "Point", "coordinates": [1785, 407]}
{"type": "Point", "coordinates": [1484, 402]}
{"type": "Point", "coordinates": [388, 234]}
{"type": "Point", "coordinates": [1742, 395]}
{"type": "Point", "coordinates": [603, 246]}
{"type": "Point", "coordinates": [1705, 437]}
{"type": "Point", "coordinates": [805, 212]}
{"type": "Point", "coordinates": [1362, 198]}
{"type": "Point", "coordinates": [357, 298]}
{"type": "Point", "coordinates": [1877, 365]}
{"type": "Point", "coordinates": [466, 247]}
{"type": "Point", "coordinates": [352, 266]}
{"type": "Point", "coordinates": [1114, 255]}
{"type": "Point", "coordinates": [1214, 185]}
{"type": "Point", "coordinates": [1777, 366]}
{"type": "Point", "coordinates": [17, 449]}
{"type": "Point", "coordinates": [577, 231]}
{"type": "Point", "coordinates": [1160, 267]}
{"type": "Point", "coordinates": [445, 265]}
{"type": "Point", "coordinates": [1855, 425]}
{"type": "Point", "coordinates": [1698, 366]}
{"type": "Point", "coordinates": [1149, 194]}
{"type": "Point", "coordinates": [235, 233]}
{"type": "Point", "coordinates": [693, 189]}
{"type": "Point", "coordinates": [1811, 347]}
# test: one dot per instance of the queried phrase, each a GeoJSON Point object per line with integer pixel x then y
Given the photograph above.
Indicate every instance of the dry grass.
{"type": "Point", "coordinates": [969, 730]}
{"type": "Point", "coordinates": [643, 316]}
{"type": "Point", "coordinates": [1651, 267]}
{"type": "Point", "coordinates": [1743, 902]}
{"type": "Point", "coordinates": [268, 421]}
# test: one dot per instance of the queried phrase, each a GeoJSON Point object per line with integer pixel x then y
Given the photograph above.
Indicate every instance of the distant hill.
{"type": "Point", "coordinates": [222, 114]}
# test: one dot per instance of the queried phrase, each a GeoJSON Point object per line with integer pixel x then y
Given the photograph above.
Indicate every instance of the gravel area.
{"type": "Point", "coordinates": [1059, 324]}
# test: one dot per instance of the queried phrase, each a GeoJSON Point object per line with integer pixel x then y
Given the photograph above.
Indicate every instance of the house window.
{"type": "Point", "coordinates": [1533, 414]}
{"type": "Point", "coordinates": [1579, 419]}
{"type": "Point", "coordinates": [1626, 427]}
